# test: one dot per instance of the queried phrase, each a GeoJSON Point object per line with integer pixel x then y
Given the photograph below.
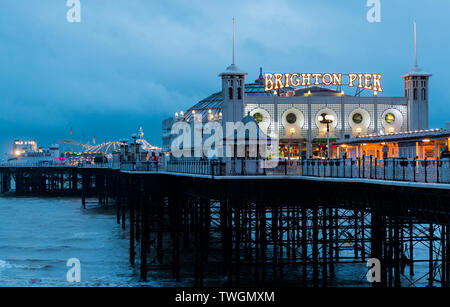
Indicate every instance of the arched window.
{"type": "Point", "coordinates": [239, 93]}
{"type": "Point", "coordinates": [230, 93]}
{"type": "Point", "coordinates": [415, 94]}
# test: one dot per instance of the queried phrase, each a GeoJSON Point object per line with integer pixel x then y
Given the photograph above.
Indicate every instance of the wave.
{"type": "Point", "coordinates": [5, 265]}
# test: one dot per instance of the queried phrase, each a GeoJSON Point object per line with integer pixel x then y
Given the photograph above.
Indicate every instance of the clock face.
{"type": "Point", "coordinates": [258, 117]}
{"type": "Point", "coordinates": [291, 118]}
{"type": "Point", "coordinates": [357, 118]}
{"type": "Point", "coordinates": [390, 118]}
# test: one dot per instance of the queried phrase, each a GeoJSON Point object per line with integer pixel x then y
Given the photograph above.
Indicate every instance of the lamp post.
{"type": "Point", "coordinates": [327, 119]}
{"type": "Point", "coordinates": [134, 137]}
{"type": "Point", "coordinates": [290, 147]}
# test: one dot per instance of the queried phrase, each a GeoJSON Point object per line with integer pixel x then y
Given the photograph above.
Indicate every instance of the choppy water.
{"type": "Point", "coordinates": [38, 236]}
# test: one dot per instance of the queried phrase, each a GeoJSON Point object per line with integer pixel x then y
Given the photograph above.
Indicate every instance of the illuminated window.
{"type": "Point", "coordinates": [258, 117]}
{"type": "Point", "coordinates": [291, 118]}
{"type": "Point", "coordinates": [357, 118]}
{"type": "Point", "coordinates": [390, 118]}
{"type": "Point", "coordinates": [424, 94]}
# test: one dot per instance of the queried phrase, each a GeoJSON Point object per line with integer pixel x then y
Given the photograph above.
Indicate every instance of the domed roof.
{"type": "Point", "coordinates": [417, 71]}
{"type": "Point", "coordinates": [233, 70]}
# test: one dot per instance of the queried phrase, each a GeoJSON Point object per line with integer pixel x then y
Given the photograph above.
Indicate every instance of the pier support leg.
{"type": "Point", "coordinates": [144, 242]}
{"type": "Point", "coordinates": [275, 241]}
{"type": "Point", "coordinates": [304, 244]}
{"type": "Point", "coordinates": [376, 238]}
{"type": "Point", "coordinates": [263, 238]}
{"type": "Point", "coordinates": [160, 225]}
{"type": "Point", "coordinates": [444, 276]}
{"type": "Point", "coordinates": [431, 257]}
{"type": "Point", "coordinates": [132, 227]}
{"type": "Point", "coordinates": [315, 248]}
{"type": "Point", "coordinates": [237, 244]}
{"type": "Point", "coordinates": [396, 253]}
{"type": "Point", "coordinates": [324, 248]}
{"type": "Point", "coordinates": [174, 222]}
{"type": "Point", "coordinates": [257, 242]}
{"type": "Point", "coordinates": [411, 247]}
{"type": "Point", "coordinates": [356, 234]}
{"type": "Point", "coordinates": [331, 243]}
{"type": "Point", "coordinates": [391, 253]}
{"type": "Point", "coordinates": [118, 205]}
{"type": "Point", "coordinates": [281, 242]}
{"type": "Point", "coordinates": [84, 191]}
{"type": "Point", "coordinates": [447, 255]}
{"type": "Point", "coordinates": [124, 215]}
{"type": "Point", "coordinates": [363, 236]}
{"type": "Point", "coordinates": [224, 235]}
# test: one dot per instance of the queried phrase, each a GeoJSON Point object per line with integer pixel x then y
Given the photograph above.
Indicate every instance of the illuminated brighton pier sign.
{"type": "Point", "coordinates": [275, 81]}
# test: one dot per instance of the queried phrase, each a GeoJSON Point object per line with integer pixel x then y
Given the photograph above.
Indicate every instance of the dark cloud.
{"type": "Point", "coordinates": [135, 62]}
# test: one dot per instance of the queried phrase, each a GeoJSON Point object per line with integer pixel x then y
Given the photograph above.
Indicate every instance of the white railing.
{"type": "Point", "coordinates": [426, 171]}
{"type": "Point", "coordinates": [140, 166]}
{"type": "Point", "coordinates": [195, 167]}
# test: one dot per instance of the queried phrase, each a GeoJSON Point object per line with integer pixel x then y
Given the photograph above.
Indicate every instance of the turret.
{"type": "Point", "coordinates": [233, 91]}
{"type": "Point", "coordinates": [416, 92]}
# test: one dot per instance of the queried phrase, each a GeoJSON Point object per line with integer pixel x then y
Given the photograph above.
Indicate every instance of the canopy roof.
{"type": "Point", "coordinates": [398, 137]}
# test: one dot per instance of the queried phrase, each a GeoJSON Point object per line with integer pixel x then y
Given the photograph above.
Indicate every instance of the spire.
{"type": "Point", "coordinates": [260, 79]}
{"type": "Point", "coordinates": [233, 69]}
{"type": "Point", "coordinates": [415, 43]}
{"type": "Point", "coordinates": [234, 39]}
{"type": "Point", "coordinates": [416, 70]}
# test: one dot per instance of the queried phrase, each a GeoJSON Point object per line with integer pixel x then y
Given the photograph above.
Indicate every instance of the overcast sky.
{"type": "Point", "coordinates": [132, 63]}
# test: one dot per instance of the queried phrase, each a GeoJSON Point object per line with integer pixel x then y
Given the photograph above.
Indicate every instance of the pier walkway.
{"type": "Point", "coordinates": [345, 170]}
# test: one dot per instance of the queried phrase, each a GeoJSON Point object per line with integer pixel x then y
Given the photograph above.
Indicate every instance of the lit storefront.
{"type": "Point", "coordinates": [429, 144]}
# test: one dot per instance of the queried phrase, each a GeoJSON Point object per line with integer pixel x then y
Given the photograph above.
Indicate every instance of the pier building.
{"type": "Point", "coordinates": [292, 114]}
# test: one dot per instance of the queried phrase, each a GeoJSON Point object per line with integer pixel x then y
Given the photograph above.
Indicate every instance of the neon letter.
{"type": "Point", "coordinates": [269, 82]}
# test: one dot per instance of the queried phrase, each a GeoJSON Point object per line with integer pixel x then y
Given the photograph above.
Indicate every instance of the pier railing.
{"type": "Point", "coordinates": [427, 171]}
{"type": "Point", "coordinates": [141, 166]}
{"type": "Point", "coordinates": [395, 169]}
{"type": "Point", "coordinates": [196, 167]}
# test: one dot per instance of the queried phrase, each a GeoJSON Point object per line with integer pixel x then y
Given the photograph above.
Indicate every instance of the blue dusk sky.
{"type": "Point", "coordinates": [133, 63]}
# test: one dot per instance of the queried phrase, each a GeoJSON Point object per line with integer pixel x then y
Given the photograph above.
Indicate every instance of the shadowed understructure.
{"type": "Point", "coordinates": [239, 231]}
